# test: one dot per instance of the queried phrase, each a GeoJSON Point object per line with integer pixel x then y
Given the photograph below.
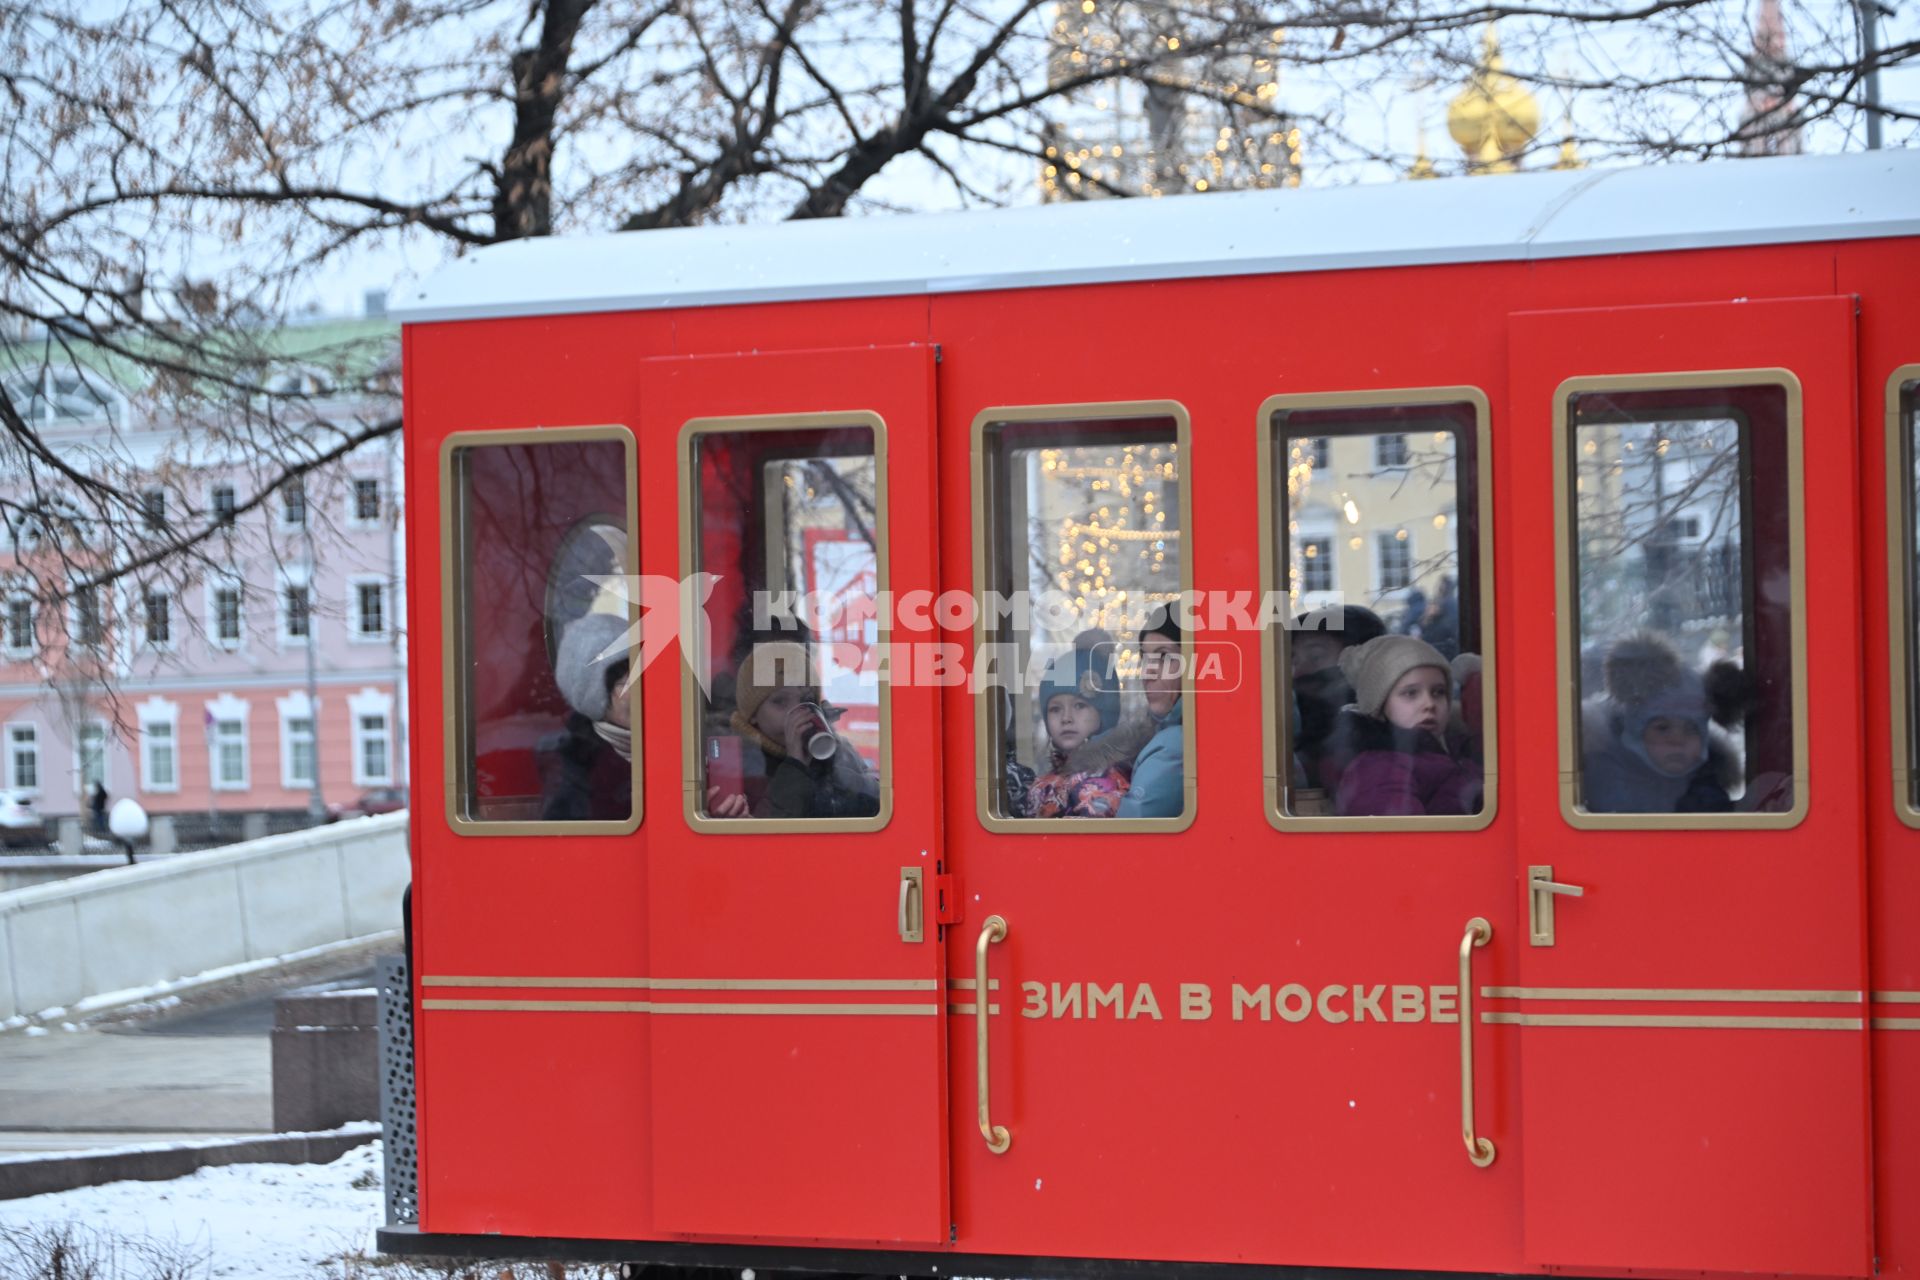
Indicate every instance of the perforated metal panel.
{"type": "Point", "coordinates": [396, 1091]}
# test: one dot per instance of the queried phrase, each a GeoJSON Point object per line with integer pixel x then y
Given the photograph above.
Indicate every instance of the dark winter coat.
{"type": "Point", "coordinates": [1614, 779]}
{"type": "Point", "coordinates": [1396, 771]}
{"type": "Point", "coordinates": [1319, 698]}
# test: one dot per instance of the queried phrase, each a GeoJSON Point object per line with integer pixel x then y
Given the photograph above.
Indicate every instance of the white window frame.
{"type": "Point", "coordinates": [148, 523]}
{"type": "Point", "coordinates": [227, 709]}
{"type": "Point", "coordinates": [1381, 462]}
{"type": "Point", "coordinates": [154, 712]}
{"type": "Point", "coordinates": [80, 787]}
{"type": "Point", "coordinates": [30, 386]}
{"type": "Point", "coordinates": [354, 618]}
{"type": "Point", "coordinates": [292, 575]}
{"type": "Point", "coordinates": [215, 584]}
{"type": "Point", "coordinates": [144, 619]}
{"type": "Point", "coordinates": [213, 513]}
{"type": "Point", "coordinates": [13, 773]}
{"type": "Point", "coordinates": [99, 642]}
{"type": "Point", "coordinates": [354, 519]}
{"type": "Point", "coordinates": [287, 491]}
{"type": "Point", "coordinates": [6, 628]}
{"type": "Point", "coordinates": [371, 702]}
{"type": "Point", "coordinates": [1382, 539]}
{"type": "Point", "coordinates": [296, 706]}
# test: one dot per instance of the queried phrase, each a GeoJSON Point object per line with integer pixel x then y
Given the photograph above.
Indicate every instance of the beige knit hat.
{"type": "Point", "coordinates": [774, 664]}
{"type": "Point", "coordinates": [1375, 667]}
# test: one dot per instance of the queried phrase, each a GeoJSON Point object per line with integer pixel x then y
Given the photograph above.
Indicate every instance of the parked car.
{"type": "Point", "coordinates": [21, 826]}
{"type": "Point", "coordinates": [376, 800]}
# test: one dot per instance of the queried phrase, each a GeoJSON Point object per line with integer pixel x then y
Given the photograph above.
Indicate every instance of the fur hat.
{"type": "Point", "coordinates": [585, 678]}
{"type": "Point", "coordinates": [1356, 624]}
{"type": "Point", "coordinates": [773, 664]}
{"type": "Point", "coordinates": [1089, 670]}
{"type": "Point", "coordinates": [1639, 666]}
{"type": "Point", "coordinates": [1375, 667]}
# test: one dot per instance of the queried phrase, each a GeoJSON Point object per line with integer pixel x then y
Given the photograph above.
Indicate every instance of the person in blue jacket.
{"type": "Point", "coordinates": [1159, 772]}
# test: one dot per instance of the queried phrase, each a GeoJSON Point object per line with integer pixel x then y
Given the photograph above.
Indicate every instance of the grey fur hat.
{"type": "Point", "coordinates": [585, 683]}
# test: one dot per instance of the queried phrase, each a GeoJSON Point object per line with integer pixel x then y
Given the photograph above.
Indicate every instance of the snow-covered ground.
{"type": "Point", "coordinates": [271, 1221]}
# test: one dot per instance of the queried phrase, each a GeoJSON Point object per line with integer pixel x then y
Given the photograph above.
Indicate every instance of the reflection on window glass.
{"type": "Point", "coordinates": [1380, 686]}
{"type": "Point", "coordinates": [1084, 524]}
{"type": "Point", "coordinates": [1684, 614]}
{"type": "Point", "coordinates": [546, 704]}
{"type": "Point", "coordinates": [788, 527]}
{"type": "Point", "coordinates": [1910, 437]}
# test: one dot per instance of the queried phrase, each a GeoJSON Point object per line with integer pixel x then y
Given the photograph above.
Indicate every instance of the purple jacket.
{"type": "Point", "coordinates": [1397, 771]}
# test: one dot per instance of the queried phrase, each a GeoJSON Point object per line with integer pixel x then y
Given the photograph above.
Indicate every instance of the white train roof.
{"type": "Point", "coordinates": [1514, 218]}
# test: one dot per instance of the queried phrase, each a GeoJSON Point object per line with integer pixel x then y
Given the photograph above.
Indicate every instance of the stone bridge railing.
{"type": "Point", "coordinates": [117, 934]}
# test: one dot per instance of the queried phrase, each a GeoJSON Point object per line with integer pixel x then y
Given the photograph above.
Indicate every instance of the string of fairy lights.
{"type": "Point", "coordinates": [1167, 146]}
{"type": "Point", "coordinates": [1116, 553]}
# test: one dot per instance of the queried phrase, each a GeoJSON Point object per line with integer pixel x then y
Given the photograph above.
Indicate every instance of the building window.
{"type": "Point", "coordinates": [293, 504]}
{"type": "Point", "coordinates": [157, 756]}
{"type": "Point", "coordinates": [226, 615]}
{"type": "Point", "coordinates": [23, 756]}
{"type": "Point", "coordinates": [296, 612]}
{"type": "Point", "coordinates": [366, 500]}
{"type": "Point", "coordinates": [370, 733]}
{"type": "Point", "coordinates": [153, 509]}
{"type": "Point", "coordinates": [1320, 451]}
{"type": "Point", "coordinates": [91, 757]}
{"type": "Point", "coordinates": [1316, 564]}
{"type": "Point", "coordinates": [1390, 451]}
{"type": "Point", "coordinates": [19, 636]}
{"type": "Point", "coordinates": [299, 762]}
{"type": "Point", "coordinates": [230, 755]}
{"type": "Point", "coordinates": [156, 609]}
{"type": "Point", "coordinates": [1394, 554]}
{"type": "Point", "coordinates": [370, 612]}
{"type": "Point", "coordinates": [87, 630]}
{"type": "Point", "coordinates": [223, 505]}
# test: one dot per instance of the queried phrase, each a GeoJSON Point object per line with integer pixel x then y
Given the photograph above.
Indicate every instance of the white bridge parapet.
{"type": "Point", "coordinates": [84, 941]}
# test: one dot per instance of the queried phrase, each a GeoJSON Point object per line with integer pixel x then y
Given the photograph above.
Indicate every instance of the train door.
{"type": "Point", "coordinates": [797, 1048]}
{"type": "Point", "coordinates": [1693, 1065]}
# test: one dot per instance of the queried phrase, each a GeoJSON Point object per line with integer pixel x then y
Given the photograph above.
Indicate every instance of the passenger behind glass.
{"type": "Point", "coordinates": [585, 770]}
{"type": "Point", "coordinates": [1647, 742]}
{"type": "Point", "coordinates": [1078, 701]}
{"type": "Point", "coordinates": [1320, 688]}
{"type": "Point", "coordinates": [1406, 758]}
{"type": "Point", "coordinates": [806, 770]}
{"type": "Point", "coordinates": [1157, 788]}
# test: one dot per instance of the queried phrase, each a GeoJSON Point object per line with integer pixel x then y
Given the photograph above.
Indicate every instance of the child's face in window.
{"type": "Point", "coordinates": [1672, 744]}
{"type": "Point", "coordinates": [1420, 700]}
{"type": "Point", "coordinates": [1071, 720]}
{"type": "Point", "coordinates": [1160, 671]}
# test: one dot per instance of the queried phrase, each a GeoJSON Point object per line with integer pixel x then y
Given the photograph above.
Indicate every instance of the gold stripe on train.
{"type": "Point", "coordinates": [1703, 994]}
{"type": "Point", "coordinates": [1715, 1021]}
{"type": "Point", "coordinates": [668, 1007]}
{"type": "Point", "coordinates": [691, 984]}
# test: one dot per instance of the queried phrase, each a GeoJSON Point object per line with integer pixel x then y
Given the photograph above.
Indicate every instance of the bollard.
{"type": "Point", "coordinates": [163, 839]}
{"type": "Point", "coordinates": [70, 841]}
{"type": "Point", "coordinates": [325, 1059]}
{"type": "Point", "coordinates": [253, 826]}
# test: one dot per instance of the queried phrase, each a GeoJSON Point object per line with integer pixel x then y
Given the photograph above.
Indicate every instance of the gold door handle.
{"type": "Point", "coordinates": [1479, 1149]}
{"type": "Point", "coordinates": [913, 914]}
{"type": "Point", "coordinates": [1541, 888]}
{"type": "Point", "coordinates": [995, 930]}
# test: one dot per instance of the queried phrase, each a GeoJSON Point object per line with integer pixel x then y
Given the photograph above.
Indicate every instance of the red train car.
{"type": "Point", "coordinates": [899, 955]}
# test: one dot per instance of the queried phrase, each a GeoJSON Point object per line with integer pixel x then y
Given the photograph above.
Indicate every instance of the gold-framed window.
{"type": "Point", "coordinates": [1679, 536]}
{"type": "Point", "coordinates": [1376, 520]}
{"type": "Point", "coordinates": [1903, 584]}
{"type": "Point", "coordinates": [539, 537]}
{"type": "Point", "coordinates": [784, 522]}
{"type": "Point", "coordinates": [1081, 536]}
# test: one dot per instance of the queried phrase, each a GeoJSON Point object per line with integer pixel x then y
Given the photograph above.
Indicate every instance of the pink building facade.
{"type": "Point", "coordinates": [260, 682]}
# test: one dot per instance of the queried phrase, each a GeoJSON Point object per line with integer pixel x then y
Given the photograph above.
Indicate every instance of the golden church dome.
{"type": "Point", "coordinates": [1494, 118]}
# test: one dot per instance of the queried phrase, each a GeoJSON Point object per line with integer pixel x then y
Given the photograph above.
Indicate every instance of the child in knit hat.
{"type": "Point", "coordinates": [1406, 757]}
{"type": "Point", "coordinates": [1648, 743]}
{"type": "Point", "coordinates": [1079, 701]}
{"type": "Point", "coordinates": [811, 772]}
